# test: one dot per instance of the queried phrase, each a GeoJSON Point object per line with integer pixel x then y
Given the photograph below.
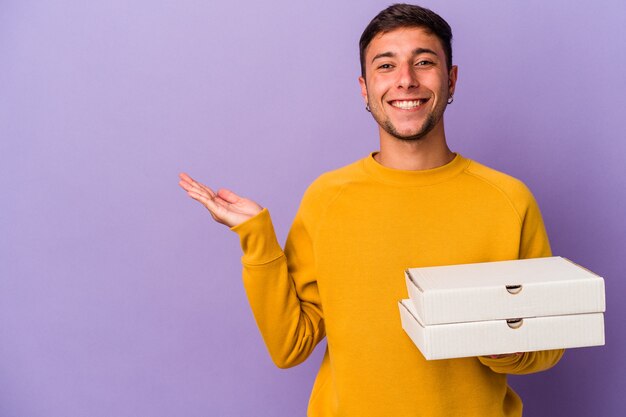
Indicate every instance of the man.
{"type": "Point", "coordinates": [414, 203]}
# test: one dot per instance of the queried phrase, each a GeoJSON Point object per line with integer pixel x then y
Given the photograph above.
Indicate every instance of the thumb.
{"type": "Point", "coordinates": [228, 196]}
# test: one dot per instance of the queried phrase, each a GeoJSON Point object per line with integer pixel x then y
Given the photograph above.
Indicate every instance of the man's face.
{"type": "Point", "coordinates": [407, 82]}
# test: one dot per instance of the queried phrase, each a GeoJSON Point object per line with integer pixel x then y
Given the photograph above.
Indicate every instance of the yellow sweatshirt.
{"type": "Point", "coordinates": [341, 276]}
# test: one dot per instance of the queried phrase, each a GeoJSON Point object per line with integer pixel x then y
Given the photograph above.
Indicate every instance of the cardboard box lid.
{"type": "Point", "coordinates": [457, 340]}
{"type": "Point", "coordinates": [504, 290]}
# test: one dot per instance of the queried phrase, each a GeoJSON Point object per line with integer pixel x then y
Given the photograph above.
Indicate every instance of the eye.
{"type": "Point", "coordinates": [423, 63]}
{"type": "Point", "coordinates": [385, 66]}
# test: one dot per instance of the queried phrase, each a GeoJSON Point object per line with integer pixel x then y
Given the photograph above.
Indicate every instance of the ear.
{"type": "Point", "coordinates": [363, 88]}
{"type": "Point", "coordinates": [452, 77]}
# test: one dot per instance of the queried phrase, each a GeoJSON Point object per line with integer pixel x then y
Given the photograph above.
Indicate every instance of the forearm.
{"type": "Point", "coordinates": [291, 326]}
{"type": "Point", "coordinates": [525, 363]}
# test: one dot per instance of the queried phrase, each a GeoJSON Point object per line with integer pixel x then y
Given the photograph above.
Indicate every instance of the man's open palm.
{"type": "Point", "coordinates": [225, 206]}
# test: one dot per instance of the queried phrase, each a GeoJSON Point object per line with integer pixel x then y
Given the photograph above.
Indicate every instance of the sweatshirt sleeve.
{"type": "Point", "coordinates": [533, 244]}
{"type": "Point", "coordinates": [281, 288]}
{"type": "Point", "coordinates": [534, 241]}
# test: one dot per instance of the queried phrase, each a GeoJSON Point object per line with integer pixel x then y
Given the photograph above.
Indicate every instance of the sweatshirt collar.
{"type": "Point", "coordinates": [415, 178]}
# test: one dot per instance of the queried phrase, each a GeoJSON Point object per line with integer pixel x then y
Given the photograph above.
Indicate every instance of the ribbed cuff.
{"type": "Point", "coordinates": [258, 239]}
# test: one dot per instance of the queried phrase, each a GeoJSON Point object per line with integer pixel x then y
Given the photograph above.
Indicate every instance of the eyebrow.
{"type": "Point", "coordinates": [417, 51]}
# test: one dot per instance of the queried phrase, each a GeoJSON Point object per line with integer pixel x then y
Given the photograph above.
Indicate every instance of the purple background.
{"type": "Point", "coordinates": [120, 297]}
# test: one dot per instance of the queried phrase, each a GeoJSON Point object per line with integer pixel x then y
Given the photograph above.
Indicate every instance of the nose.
{"type": "Point", "coordinates": [407, 78]}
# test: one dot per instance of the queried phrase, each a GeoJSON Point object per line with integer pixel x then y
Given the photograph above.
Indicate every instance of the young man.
{"type": "Point", "coordinates": [413, 203]}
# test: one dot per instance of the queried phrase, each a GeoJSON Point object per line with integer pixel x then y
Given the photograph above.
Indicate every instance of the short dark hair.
{"type": "Point", "coordinates": [407, 15]}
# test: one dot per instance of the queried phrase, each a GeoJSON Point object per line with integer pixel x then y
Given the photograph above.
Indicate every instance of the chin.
{"type": "Point", "coordinates": [407, 135]}
{"type": "Point", "coordinates": [410, 135]}
{"type": "Point", "coordinates": [411, 138]}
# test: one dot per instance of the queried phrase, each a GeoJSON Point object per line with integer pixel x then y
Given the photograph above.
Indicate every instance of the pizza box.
{"type": "Point", "coordinates": [515, 289]}
{"type": "Point", "coordinates": [493, 337]}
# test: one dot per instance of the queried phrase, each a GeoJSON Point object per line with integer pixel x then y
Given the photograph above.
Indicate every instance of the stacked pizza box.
{"type": "Point", "coordinates": [503, 307]}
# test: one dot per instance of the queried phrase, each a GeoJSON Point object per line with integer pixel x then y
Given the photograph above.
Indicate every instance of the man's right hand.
{"type": "Point", "coordinates": [225, 206]}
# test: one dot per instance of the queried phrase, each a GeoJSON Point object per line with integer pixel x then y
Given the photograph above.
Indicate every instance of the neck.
{"type": "Point", "coordinates": [429, 152]}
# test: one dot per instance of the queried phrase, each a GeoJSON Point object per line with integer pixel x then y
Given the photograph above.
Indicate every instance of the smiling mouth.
{"type": "Point", "coordinates": [408, 104]}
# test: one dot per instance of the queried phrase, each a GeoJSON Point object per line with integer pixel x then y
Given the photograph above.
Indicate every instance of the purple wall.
{"type": "Point", "coordinates": [120, 297]}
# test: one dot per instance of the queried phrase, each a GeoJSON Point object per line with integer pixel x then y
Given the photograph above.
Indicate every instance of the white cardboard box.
{"type": "Point", "coordinates": [504, 290]}
{"type": "Point", "coordinates": [493, 337]}
{"type": "Point", "coordinates": [503, 307]}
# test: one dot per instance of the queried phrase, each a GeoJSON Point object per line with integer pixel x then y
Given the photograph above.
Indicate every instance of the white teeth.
{"type": "Point", "coordinates": [406, 104]}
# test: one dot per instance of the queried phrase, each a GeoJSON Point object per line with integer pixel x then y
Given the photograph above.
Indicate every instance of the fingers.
{"type": "Point", "coordinates": [184, 176]}
{"type": "Point", "coordinates": [216, 209]}
{"type": "Point", "coordinates": [217, 206]}
{"type": "Point", "coordinates": [207, 201]}
{"type": "Point", "coordinates": [189, 184]}
{"type": "Point", "coordinates": [185, 180]}
{"type": "Point", "coordinates": [205, 188]}
{"type": "Point", "coordinates": [505, 355]}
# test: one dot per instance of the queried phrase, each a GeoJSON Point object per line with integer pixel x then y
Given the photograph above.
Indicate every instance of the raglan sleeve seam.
{"type": "Point", "coordinates": [325, 208]}
{"type": "Point", "coordinates": [501, 191]}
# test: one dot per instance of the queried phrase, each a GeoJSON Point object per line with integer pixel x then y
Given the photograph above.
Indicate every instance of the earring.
{"type": "Point", "coordinates": [450, 99]}
{"type": "Point", "coordinates": [367, 107]}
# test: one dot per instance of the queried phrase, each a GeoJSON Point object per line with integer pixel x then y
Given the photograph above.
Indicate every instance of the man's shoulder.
{"type": "Point", "coordinates": [336, 179]}
{"type": "Point", "coordinates": [512, 187]}
{"type": "Point", "coordinates": [504, 185]}
{"type": "Point", "coordinates": [327, 186]}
